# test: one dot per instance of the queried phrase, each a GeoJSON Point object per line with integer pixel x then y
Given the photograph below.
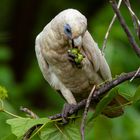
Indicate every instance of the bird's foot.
{"type": "Point", "coordinates": [65, 112]}
{"type": "Point", "coordinates": [71, 57]}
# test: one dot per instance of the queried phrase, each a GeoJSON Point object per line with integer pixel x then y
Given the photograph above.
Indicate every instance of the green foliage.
{"type": "Point", "coordinates": [127, 90]}
{"type": "Point", "coordinates": [49, 129]}
{"type": "Point", "coordinates": [10, 137]}
{"type": "Point", "coordinates": [3, 93]}
{"type": "Point", "coordinates": [54, 129]}
{"type": "Point", "coordinates": [61, 132]}
{"type": "Point", "coordinates": [137, 95]}
{"type": "Point", "coordinates": [20, 126]}
{"type": "Point", "coordinates": [105, 101]}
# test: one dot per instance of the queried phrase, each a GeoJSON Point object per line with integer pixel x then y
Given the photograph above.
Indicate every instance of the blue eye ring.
{"type": "Point", "coordinates": [67, 30]}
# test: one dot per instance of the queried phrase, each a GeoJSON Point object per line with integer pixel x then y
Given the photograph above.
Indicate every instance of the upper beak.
{"type": "Point", "coordinates": [77, 42]}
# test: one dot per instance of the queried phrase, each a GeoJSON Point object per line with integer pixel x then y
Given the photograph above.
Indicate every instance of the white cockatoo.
{"type": "Point", "coordinates": [66, 31]}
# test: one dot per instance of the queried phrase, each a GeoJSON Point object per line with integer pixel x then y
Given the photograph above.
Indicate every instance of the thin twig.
{"type": "Point", "coordinates": [135, 75]}
{"type": "Point", "coordinates": [101, 91]}
{"type": "Point", "coordinates": [125, 27]}
{"type": "Point", "coordinates": [29, 112]}
{"type": "Point", "coordinates": [136, 21]}
{"type": "Point", "coordinates": [109, 28]}
{"type": "Point", "coordinates": [32, 129]}
{"type": "Point", "coordinates": [85, 113]}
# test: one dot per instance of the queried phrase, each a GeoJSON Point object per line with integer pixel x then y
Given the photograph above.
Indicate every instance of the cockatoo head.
{"type": "Point", "coordinates": [72, 26]}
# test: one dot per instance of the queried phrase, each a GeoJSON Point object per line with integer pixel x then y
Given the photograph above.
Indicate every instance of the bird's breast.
{"type": "Point", "coordinates": [73, 78]}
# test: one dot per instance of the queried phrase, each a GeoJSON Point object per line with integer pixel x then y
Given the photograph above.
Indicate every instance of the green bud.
{"type": "Point", "coordinates": [3, 93]}
{"type": "Point", "coordinates": [74, 51]}
{"type": "Point", "coordinates": [80, 57]}
{"type": "Point", "coordinates": [77, 61]}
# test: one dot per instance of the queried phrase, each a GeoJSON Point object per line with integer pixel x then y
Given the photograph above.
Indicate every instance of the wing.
{"type": "Point", "coordinates": [96, 58]}
{"type": "Point", "coordinates": [41, 61]}
{"type": "Point", "coordinates": [100, 66]}
{"type": "Point", "coordinates": [49, 75]}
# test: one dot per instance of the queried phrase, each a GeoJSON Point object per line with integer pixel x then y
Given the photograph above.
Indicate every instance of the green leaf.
{"type": "Point", "coordinates": [105, 101]}
{"type": "Point", "coordinates": [3, 93]}
{"type": "Point", "coordinates": [55, 131]}
{"type": "Point", "coordinates": [21, 125]}
{"type": "Point", "coordinates": [71, 131]}
{"type": "Point", "coordinates": [136, 96]}
{"type": "Point", "coordinates": [10, 137]}
{"type": "Point", "coordinates": [126, 90]}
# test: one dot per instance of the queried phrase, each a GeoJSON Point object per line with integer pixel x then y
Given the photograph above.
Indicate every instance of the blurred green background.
{"type": "Point", "coordinates": [21, 21]}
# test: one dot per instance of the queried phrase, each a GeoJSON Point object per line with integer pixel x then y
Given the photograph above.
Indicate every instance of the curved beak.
{"type": "Point", "coordinates": [77, 42]}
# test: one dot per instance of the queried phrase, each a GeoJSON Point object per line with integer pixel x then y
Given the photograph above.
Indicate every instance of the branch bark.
{"type": "Point", "coordinates": [97, 93]}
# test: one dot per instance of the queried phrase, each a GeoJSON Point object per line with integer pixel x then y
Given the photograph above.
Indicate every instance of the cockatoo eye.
{"type": "Point", "coordinates": [67, 30]}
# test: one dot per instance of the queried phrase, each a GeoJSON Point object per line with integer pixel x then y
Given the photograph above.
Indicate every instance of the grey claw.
{"type": "Point", "coordinates": [65, 112]}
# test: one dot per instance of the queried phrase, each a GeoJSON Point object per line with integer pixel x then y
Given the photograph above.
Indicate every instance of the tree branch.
{"type": "Point", "coordinates": [101, 91]}
{"type": "Point", "coordinates": [125, 28]}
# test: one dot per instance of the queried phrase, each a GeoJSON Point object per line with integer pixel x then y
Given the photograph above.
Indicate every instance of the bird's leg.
{"type": "Point", "coordinates": [65, 112]}
{"type": "Point", "coordinates": [71, 102]}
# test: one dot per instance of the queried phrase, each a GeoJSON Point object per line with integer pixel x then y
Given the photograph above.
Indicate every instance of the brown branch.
{"type": "Point", "coordinates": [101, 91]}
{"type": "Point", "coordinates": [125, 28]}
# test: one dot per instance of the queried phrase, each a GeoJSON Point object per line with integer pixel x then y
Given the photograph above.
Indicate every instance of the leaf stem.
{"type": "Point", "coordinates": [39, 130]}
{"type": "Point", "coordinates": [11, 114]}
{"type": "Point", "coordinates": [61, 131]}
{"type": "Point", "coordinates": [7, 112]}
{"type": "Point", "coordinates": [1, 109]}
